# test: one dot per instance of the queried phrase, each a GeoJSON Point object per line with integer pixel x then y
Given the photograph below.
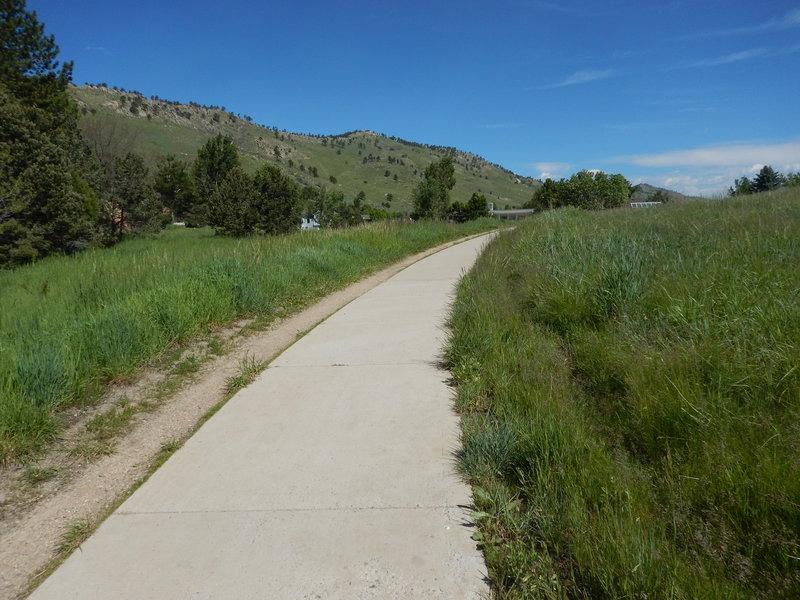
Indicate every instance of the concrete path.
{"type": "Point", "coordinates": [331, 476]}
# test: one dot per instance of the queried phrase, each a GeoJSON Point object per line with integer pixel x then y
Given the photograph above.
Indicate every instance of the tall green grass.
{"type": "Point", "coordinates": [629, 383]}
{"type": "Point", "coordinates": [69, 325]}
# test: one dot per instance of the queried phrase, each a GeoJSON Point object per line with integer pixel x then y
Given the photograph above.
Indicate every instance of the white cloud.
{"type": "Point", "coordinates": [712, 170]}
{"type": "Point", "coordinates": [720, 156]}
{"type": "Point", "coordinates": [550, 170]}
{"type": "Point", "coordinates": [579, 77]}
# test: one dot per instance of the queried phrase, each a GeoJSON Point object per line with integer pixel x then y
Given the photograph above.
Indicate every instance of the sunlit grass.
{"type": "Point", "coordinates": [629, 384]}
{"type": "Point", "coordinates": [70, 325]}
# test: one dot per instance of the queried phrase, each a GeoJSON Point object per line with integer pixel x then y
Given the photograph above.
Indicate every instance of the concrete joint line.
{"type": "Point", "coordinates": [291, 510]}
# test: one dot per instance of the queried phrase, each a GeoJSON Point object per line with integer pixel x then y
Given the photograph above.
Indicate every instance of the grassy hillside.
{"type": "Point", "coordinates": [69, 325]}
{"type": "Point", "coordinates": [357, 160]}
{"type": "Point", "coordinates": [629, 383]}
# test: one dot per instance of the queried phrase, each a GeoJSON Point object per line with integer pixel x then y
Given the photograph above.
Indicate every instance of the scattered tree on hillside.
{"type": "Point", "coordinates": [108, 136]}
{"type": "Point", "coordinates": [431, 198]}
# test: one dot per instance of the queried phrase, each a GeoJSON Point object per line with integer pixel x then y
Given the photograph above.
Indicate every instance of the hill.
{"type": "Point", "coordinates": [385, 168]}
{"type": "Point", "coordinates": [644, 191]}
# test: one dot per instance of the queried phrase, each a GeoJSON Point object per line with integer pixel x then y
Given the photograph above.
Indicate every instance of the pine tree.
{"type": "Point", "coordinates": [47, 174]}
{"type": "Point", "coordinates": [215, 159]}
{"type": "Point", "coordinates": [131, 202]}
{"type": "Point", "coordinates": [767, 179]}
{"type": "Point", "coordinates": [175, 185]}
{"type": "Point", "coordinates": [231, 205]}
{"type": "Point", "coordinates": [277, 201]}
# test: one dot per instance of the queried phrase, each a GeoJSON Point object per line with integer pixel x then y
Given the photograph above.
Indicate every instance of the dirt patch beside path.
{"type": "Point", "coordinates": [33, 522]}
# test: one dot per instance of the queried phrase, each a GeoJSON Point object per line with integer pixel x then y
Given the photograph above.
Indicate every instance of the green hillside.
{"type": "Point", "coordinates": [120, 121]}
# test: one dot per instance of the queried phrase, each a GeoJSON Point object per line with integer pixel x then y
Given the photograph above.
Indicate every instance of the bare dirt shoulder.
{"type": "Point", "coordinates": [79, 489]}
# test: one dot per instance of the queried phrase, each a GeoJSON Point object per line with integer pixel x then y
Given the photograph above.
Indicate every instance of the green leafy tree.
{"type": "Point", "coordinates": [231, 207]}
{"type": "Point", "coordinates": [457, 212]}
{"type": "Point", "coordinates": [547, 196]}
{"type": "Point", "coordinates": [585, 189]}
{"type": "Point", "coordinates": [215, 159]}
{"type": "Point", "coordinates": [431, 198]}
{"type": "Point", "coordinates": [175, 186]}
{"type": "Point", "coordinates": [767, 179]}
{"type": "Point", "coordinates": [741, 187]}
{"type": "Point", "coordinates": [477, 207]}
{"type": "Point", "coordinates": [792, 179]}
{"type": "Point", "coordinates": [277, 201]}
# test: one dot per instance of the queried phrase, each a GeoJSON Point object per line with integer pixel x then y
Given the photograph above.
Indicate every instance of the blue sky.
{"type": "Point", "coordinates": [684, 94]}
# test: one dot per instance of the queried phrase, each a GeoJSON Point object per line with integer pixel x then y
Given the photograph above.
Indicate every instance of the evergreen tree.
{"type": "Point", "coordinates": [231, 205]}
{"type": "Point", "coordinates": [277, 201]}
{"type": "Point", "coordinates": [767, 179]}
{"type": "Point", "coordinates": [131, 203]}
{"type": "Point", "coordinates": [47, 174]}
{"type": "Point", "coordinates": [431, 197]}
{"type": "Point", "coordinates": [175, 185]}
{"type": "Point", "coordinates": [215, 159]}
{"type": "Point", "coordinates": [477, 207]}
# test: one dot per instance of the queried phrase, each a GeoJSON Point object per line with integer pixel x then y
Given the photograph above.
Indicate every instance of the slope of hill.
{"type": "Point", "coordinates": [385, 168]}
{"type": "Point", "coordinates": [644, 192]}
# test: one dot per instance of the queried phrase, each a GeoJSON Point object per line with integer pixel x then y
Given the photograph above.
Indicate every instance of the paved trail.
{"type": "Point", "coordinates": [331, 476]}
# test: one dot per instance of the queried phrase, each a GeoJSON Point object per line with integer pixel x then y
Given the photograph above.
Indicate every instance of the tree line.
{"type": "Point", "coordinates": [765, 180]}
{"type": "Point", "coordinates": [63, 190]}
{"type": "Point", "coordinates": [591, 190]}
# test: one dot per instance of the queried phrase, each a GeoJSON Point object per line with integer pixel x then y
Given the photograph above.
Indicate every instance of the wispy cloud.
{"type": "Point", "coordinates": [728, 58]}
{"type": "Point", "coordinates": [580, 77]}
{"type": "Point", "coordinates": [99, 49]}
{"type": "Point", "coordinates": [720, 156]}
{"type": "Point", "coordinates": [562, 8]}
{"type": "Point", "coordinates": [740, 56]}
{"type": "Point", "coordinates": [550, 170]}
{"type": "Point", "coordinates": [787, 21]}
